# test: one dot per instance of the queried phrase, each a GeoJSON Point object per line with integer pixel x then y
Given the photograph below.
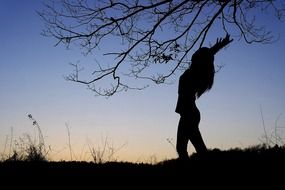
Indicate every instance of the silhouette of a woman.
{"type": "Point", "coordinates": [196, 80]}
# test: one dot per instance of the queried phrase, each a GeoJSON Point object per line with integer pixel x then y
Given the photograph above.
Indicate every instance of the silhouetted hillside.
{"type": "Point", "coordinates": [235, 164]}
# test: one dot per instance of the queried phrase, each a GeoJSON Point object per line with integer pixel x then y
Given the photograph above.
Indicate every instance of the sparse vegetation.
{"type": "Point", "coordinates": [274, 138]}
{"type": "Point", "coordinates": [253, 162]}
{"type": "Point", "coordinates": [29, 156]}
{"type": "Point", "coordinates": [27, 148]}
{"type": "Point", "coordinates": [31, 149]}
{"type": "Point", "coordinates": [105, 152]}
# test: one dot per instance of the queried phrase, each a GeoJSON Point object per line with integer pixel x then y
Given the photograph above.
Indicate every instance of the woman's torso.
{"type": "Point", "coordinates": [187, 94]}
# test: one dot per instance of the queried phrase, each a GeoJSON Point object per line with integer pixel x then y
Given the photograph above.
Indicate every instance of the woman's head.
{"type": "Point", "coordinates": [203, 70]}
{"type": "Point", "coordinates": [203, 55]}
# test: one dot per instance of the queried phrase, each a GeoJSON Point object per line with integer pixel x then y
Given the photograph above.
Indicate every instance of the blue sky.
{"type": "Point", "coordinates": [32, 82]}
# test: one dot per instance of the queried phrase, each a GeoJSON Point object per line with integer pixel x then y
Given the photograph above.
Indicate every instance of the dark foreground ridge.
{"type": "Point", "coordinates": [255, 162]}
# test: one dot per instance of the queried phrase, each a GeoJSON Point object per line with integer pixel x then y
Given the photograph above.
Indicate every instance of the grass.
{"type": "Point", "coordinates": [27, 148]}
{"type": "Point", "coordinates": [29, 161]}
{"type": "Point", "coordinates": [254, 166]}
{"type": "Point", "coordinates": [253, 159]}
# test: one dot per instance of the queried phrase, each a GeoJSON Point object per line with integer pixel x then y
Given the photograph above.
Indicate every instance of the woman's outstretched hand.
{"type": "Point", "coordinates": [224, 41]}
{"type": "Point", "coordinates": [221, 43]}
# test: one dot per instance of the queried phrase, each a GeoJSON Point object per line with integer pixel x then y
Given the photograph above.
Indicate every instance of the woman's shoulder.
{"type": "Point", "coordinates": [188, 75]}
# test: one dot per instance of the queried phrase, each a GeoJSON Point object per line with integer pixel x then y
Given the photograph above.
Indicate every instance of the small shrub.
{"type": "Point", "coordinates": [104, 153]}
{"type": "Point", "coordinates": [26, 149]}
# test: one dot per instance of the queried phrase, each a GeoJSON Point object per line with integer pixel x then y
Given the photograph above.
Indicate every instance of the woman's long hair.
{"type": "Point", "coordinates": [203, 70]}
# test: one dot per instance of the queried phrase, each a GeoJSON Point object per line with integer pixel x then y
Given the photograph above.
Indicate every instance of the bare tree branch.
{"type": "Point", "coordinates": [155, 37]}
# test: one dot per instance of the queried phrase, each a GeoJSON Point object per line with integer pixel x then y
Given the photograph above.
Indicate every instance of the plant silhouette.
{"type": "Point", "coordinates": [195, 81]}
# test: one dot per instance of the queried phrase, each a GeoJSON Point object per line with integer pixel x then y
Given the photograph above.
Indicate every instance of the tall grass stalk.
{"type": "Point", "coordinates": [69, 143]}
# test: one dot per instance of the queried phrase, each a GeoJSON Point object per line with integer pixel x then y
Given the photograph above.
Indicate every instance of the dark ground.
{"type": "Point", "coordinates": [257, 166]}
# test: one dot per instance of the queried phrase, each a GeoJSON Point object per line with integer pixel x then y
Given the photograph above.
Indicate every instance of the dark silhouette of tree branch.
{"type": "Point", "coordinates": [156, 37]}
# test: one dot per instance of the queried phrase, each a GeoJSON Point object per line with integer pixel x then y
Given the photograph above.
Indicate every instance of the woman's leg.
{"type": "Point", "coordinates": [197, 140]}
{"type": "Point", "coordinates": [182, 138]}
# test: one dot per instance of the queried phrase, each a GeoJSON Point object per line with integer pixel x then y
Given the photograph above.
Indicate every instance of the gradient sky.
{"type": "Point", "coordinates": [32, 82]}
